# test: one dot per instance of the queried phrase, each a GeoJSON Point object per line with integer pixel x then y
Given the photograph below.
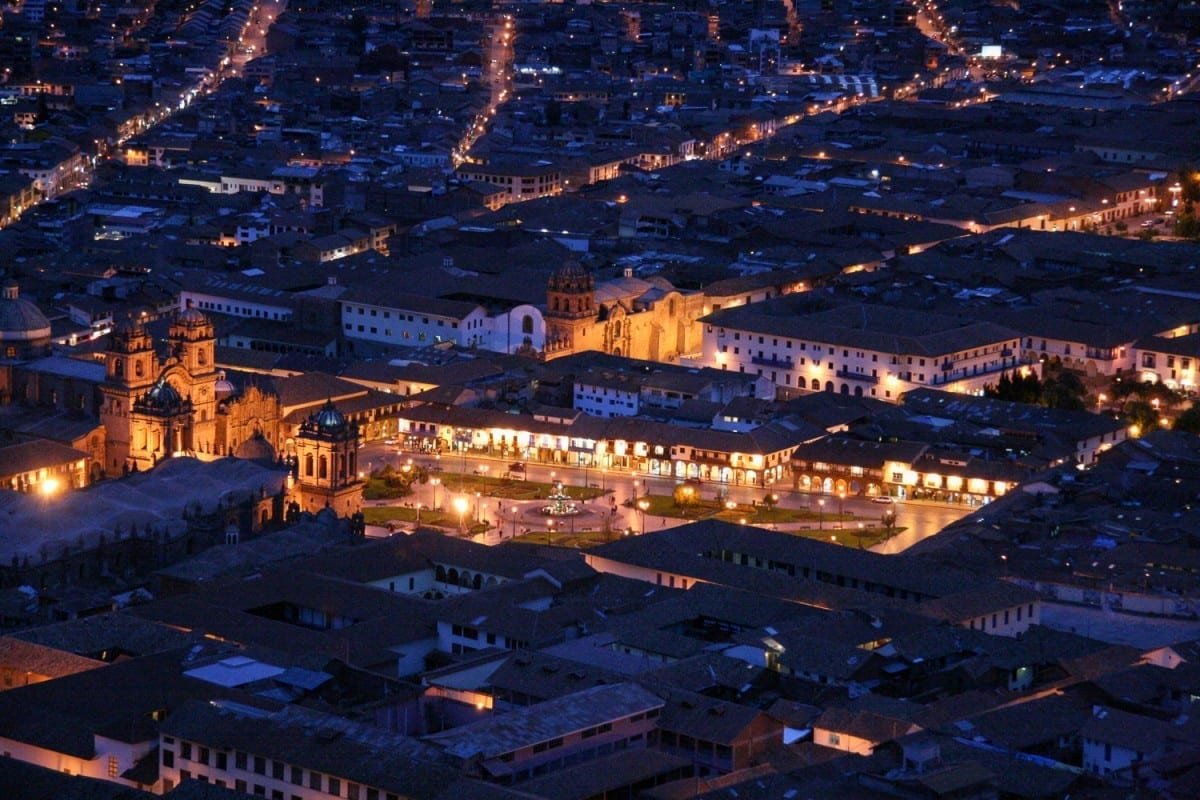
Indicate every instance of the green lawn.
{"type": "Point", "coordinates": [382, 515]}
{"type": "Point", "coordinates": [579, 539]}
{"type": "Point", "coordinates": [851, 536]}
{"type": "Point", "coordinates": [377, 488]}
{"type": "Point", "coordinates": [508, 488]}
{"type": "Point", "coordinates": [664, 506]}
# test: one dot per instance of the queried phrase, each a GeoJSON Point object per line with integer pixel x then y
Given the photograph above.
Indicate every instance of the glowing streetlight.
{"type": "Point", "coordinates": [49, 487]}
{"type": "Point", "coordinates": [461, 504]}
{"type": "Point", "coordinates": [643, 505]}
{"type": "Point", "coordinates": [821, 514]}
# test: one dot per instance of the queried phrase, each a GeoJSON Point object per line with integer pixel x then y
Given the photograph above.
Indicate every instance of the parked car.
{"type": "Point", "coordinates": [885, 500]}
{"type": "Point", "coordinates": [516, 466]}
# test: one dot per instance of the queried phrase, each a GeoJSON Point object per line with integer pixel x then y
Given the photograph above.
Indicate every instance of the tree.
{"type": "Point", "coordinates": [685, 495]}
{"type": "Point", "coordinates": [1189, 420]}
{"type": "Point", "coordinates": [1142, 414]}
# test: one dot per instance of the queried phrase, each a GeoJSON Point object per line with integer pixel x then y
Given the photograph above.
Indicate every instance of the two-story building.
{"type": "Point", "coordinates": [864, 350]}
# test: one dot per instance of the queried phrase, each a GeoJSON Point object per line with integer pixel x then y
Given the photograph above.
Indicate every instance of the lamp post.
{"type": "Point", "coordinates": [435, 482]}
{"type": "Point", "coordinates": [841, 508]}
{"type": "Point", "coordinates": [461, 504]}
{"type": "Point", "coordinates": [477, 496]}
{"type": "Point", "coordinates": [514, 522]}
{"type": "Point", "coordinates": [642, 506]}
{"type": "Point", "coordinates": [550, 532]}
{"type": "Point", "coordinates": [821, 514]}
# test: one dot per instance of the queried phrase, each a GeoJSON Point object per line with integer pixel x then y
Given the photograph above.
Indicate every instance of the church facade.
{"type": "Point", "coordinates": [628, 316]}
{"type": "Point", "coordinates": [152, 408]}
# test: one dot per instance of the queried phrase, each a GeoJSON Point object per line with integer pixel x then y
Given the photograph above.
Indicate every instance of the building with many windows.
{"type": "Point", "coordinates": [863, 350]}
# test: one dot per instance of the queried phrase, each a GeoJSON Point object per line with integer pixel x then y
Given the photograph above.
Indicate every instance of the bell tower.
{"type": "Point", "coordinates": [570, 307]}
{"type": "Point", "coordinates": [130, 368]}
{"type": "Point", "coordinates": [193, 346]}
{"type": "Point", "coordinates": [327, 467]}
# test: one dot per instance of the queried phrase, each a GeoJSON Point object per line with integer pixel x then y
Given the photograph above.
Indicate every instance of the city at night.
{"type": "Point", "coordinates": [600, 399]}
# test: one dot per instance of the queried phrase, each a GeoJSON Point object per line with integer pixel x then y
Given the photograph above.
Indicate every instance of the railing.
{"type": "Point", "coordinates": [856, 376]}
{"type": "Point", "coordinates": [765, 361]}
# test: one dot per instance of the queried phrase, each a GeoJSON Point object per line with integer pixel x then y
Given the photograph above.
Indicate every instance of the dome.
{"type": "Point", "coordinates": [571, 270]}
{"type": "Point", "coordinates": [162, 395]}
{"type": "Point", "coordinates": [20, 320]}
{"type": "Point", "coordinates": [328, 419]}
{"type": "Point", "coordinates": [223, 388]}
{"type": "Point", "coordinates": [256, 448]}
{"type": "Point", "coordinates": [191, 316]}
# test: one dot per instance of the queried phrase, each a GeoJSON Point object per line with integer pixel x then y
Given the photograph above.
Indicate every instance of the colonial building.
{"type": "Point", "coordinates": [24, 329]}
{"type": "Point", "coordinates": [152, 408]}
{"type": "Point", "coordinates": [327, 454]}
{"type": "Point", "coordinates": [627, 316]}
{"type": "Point", "coordinates": [865, 350]}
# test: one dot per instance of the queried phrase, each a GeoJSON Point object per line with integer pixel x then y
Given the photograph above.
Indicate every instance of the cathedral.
{"type": "Point", "coordinates": [627, 316]}
{"type": "Point", "coordinates": [153, 409]}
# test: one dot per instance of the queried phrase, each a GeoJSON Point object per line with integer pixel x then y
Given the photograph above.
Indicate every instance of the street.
{"type": "Point", "coordinates": [1117, 628]}
{"type": "Point", "coordinates": [921, 519]}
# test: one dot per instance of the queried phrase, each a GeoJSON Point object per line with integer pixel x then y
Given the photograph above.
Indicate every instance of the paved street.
{"type": "Point", "coordinates": [1110, 626]}
{"type": "Point", "coordinates": [920, 518]}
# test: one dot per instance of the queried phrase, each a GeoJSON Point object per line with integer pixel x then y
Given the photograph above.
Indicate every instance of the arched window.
{"type": "Point", "coordinates": [308, 465]}
{"type": "Point", "coordinates": [527, 324]}
{"type": "Point", "coordinates": [801, 383]}
{"type": "Point", "coordinates": [323, 467]}
{"type": "Point", "coordinates": [201, 357]}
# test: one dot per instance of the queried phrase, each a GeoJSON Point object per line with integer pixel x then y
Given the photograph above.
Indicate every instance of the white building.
{"type": "Point", "coordinates": [864, 350]}
{"type": "Point", "coordinates": [398, 318]}
{"type": "Point", "coordinates": [236, 299]}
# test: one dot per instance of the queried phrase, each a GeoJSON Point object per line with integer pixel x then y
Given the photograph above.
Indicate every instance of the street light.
{"type": "Point", "coordinates": [514, 522]}
{"type": "Point", "coordinates": [435, 482]}
{"type": "Point", "coordinates": [821, 514]}
{"type": "Point", "coordinates": [461, 504]}
{"type": "Point", "coordinates": [841, 507]}
{"type": "Point", "coordinates": [49, 486]}
{"type": "Point", "coordinates": [642, 506]}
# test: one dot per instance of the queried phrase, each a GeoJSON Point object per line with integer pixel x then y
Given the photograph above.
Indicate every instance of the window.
{"type": "Point", "coordinates": [239, 760]}
{"type": "Point", "coordinates": [222, 761]}
{"type": "Point", "coordinates": [185, 751]}
{"type": "Point", "coordinates": [168, 758]}
{"type": "Point", "coordinates": [834, 739]}
{"type": "Point", "coordinates": [314, 780]}
{"type": "Point", "coordinates": [114, 767]}
{"type": "Point", "coordinates": [335, 787]}
{"type": "Point", "coordinates": [260, 765]}
{"type": "Point", "coordinates": [298, 776]}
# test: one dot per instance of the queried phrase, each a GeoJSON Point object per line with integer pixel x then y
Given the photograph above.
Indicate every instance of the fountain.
{"type": "Point", "coordinates": [561, 504]}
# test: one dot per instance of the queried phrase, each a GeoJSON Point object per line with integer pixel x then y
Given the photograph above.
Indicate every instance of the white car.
{"type": "Point", "coordinates": [885, 500]}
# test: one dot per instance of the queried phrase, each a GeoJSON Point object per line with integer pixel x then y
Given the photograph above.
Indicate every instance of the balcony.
{"type": "Point", "coordinates": [770, 361]}
{"type": "Point", "coordinates": [856, 376]}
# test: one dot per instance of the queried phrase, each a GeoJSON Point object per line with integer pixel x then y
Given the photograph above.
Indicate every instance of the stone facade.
{"type": "Point", "coordinates": [628, 316]}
